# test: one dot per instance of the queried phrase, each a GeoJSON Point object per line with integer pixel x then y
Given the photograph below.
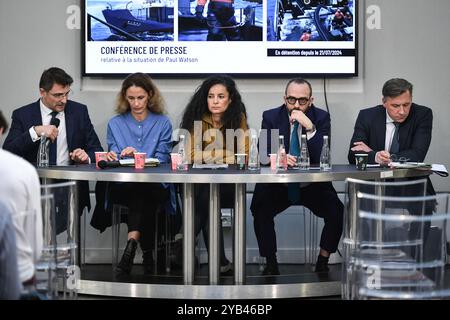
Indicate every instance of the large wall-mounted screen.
{"type": "Point", "coordinates": [249, 38]}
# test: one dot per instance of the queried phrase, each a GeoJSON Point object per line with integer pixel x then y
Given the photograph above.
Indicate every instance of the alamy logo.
{"type": "Point", "coordinates": [73, 276]}
{"type": "Point", "coordinates": [374, 278]}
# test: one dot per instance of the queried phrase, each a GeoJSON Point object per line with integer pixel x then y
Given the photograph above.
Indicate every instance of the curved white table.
{"type": "Point", "coordinates": [240, 178]}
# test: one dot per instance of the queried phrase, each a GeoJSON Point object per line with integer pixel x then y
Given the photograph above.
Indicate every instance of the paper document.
{"type": "Point", "coordinates": [410, 165]}
{"type": "Point", "coordinates": [209, 166]}
{"type": "Point", "coordinates": [439, 169]}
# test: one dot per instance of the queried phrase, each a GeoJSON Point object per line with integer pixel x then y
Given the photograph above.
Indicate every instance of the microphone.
{"type": "Point", "coordinates": [54, 122]}
{"type": "Point", "coordinates": [103, 164]}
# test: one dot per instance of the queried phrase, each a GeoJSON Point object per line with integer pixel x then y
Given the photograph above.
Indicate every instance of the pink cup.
{"type": "Point", "coordinates": [273, 161]}
{"type": "Point", "coordinates": [99, 156]}
{"type": "Point", "coordinates": [139, 160]}
{"type": "Point", "coordinates": [175, 159]}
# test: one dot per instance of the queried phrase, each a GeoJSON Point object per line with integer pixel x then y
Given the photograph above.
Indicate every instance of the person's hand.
{"type": "Point", "coordinates": [128, 152]}
{"type": "Point", "coordinates": [300, 117]}
{"type": "Point", "coordinates": [79, 156]}
{"type": "Point", "coordinates": [50, 131]}
{"type": "Point", "coordinates": [199, 13]}
{"type": "Point", "coordinates": [111, 156]}
{"type": "Point", "coordinates": [383, 157]}
{"type": "Point", "coordinates": [361, 146]}
{"type": "Point", "coordinates": [291, 160]}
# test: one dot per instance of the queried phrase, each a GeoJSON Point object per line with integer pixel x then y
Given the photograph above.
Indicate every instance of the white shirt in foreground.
{"type": "Point", "coordinates": [20, 190]}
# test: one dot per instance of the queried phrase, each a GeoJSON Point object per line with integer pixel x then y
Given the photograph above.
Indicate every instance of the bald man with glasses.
{"type": "Point", "coordinates": [296, 116]}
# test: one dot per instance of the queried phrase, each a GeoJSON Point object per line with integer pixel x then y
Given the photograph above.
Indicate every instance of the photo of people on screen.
{"type": "Point", "coordinates": [220, 20]}
{"type": "Point", "coordinates": [310, 20]}
{"type": "Point", "coordinates": [126, 20]}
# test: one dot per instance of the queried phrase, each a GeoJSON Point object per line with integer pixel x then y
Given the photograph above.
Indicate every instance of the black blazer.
{"type": "Point", "coordinates": [414, 134]}
{"type": "Point", "coordinates": [79, 129]}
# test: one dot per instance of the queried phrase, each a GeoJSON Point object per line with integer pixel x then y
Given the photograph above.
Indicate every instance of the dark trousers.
{"type": "Point", "coordinates": [143, 200]}
{"type": "Point", "coordinates": [202, 212]}
{"type": "Point", "coordinates": [321, 198]}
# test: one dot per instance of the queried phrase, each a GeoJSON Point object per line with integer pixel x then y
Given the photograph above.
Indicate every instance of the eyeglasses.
{"type": "Point", "coordinates": [301, 101]}
{"type": "Point", "coordinates": [60, 96]}
{"type": "Point", "coordinates": [395, 158]}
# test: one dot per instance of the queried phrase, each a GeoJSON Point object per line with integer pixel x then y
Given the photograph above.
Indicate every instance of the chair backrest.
{"type": "Point", "coordinates": [352, 204]}
{"type": "Point", "coordinates": [62, 227]}
{"type": "Point", "coordinates": [408, 188]}
{"type": "Point", "coordinates": [45, 268]}
{"type": "Point", "coordinates": [401, 254]}
{"type": "Point", "coordinates": [61, 232]}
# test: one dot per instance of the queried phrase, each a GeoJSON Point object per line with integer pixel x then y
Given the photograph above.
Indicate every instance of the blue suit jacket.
{"type": "Point", "coordinates": [79, 129]}
{"type": "Point", "coordinates": [278, 118]}
{"type": "Point", "coordinates": [80, 132]}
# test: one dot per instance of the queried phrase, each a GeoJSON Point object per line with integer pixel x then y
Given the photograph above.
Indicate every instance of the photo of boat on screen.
{"type": "Point", "coordinates": [112, 20]}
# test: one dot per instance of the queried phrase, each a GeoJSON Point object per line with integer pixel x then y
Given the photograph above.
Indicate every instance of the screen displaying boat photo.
{"type": "Point", "coordinates": [243, 38]}
{"type": "Point", "coordinates": [112, 20]}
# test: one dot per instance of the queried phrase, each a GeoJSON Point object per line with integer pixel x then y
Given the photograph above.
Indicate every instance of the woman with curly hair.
{"type": "Point", "coordinates": [217, 108]}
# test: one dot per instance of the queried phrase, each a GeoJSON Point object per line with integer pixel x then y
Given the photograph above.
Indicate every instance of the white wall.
{"type": "Point", "coordinates": [413, 43]}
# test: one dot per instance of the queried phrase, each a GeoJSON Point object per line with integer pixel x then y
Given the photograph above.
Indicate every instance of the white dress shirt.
{"type": "Point", "coordinates": [309, 135]}
{"type": "Point", "coordinates": [20, 191]}
{"type": "Point", "coordinates": [62, 149]}
{"type": "Point", "coordinates": [390, 129]}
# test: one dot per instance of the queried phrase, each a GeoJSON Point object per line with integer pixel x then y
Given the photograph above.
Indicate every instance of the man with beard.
{"type": "Point", "coordinates": [298, 115]}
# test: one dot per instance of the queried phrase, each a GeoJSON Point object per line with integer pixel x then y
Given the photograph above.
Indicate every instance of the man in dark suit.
{"type": "Point", "coordinates": [73, 141]}
{"type": "Point", "coordinates": [397, 129]}
{"type": "Point", "coordinates": [321, 198]}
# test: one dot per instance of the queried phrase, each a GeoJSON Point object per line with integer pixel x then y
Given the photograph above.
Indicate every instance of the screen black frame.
{"type": "Point", "coordinates": [234, 75]}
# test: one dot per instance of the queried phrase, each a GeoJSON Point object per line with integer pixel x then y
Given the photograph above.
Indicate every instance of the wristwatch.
{"type": "Point", "coordinates": [313, 128]}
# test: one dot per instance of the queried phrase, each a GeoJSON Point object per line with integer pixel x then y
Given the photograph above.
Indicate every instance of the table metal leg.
{"type": "Point", "coordinates": [239, 219]}
{"type": "Point", "coordinates": [380, 208]}
{"type": "Point", "coordinates": [188, 231]}
{"type": "Point", "coordinates": [214, 233]}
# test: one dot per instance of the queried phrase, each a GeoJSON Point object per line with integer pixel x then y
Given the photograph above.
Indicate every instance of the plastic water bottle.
{"type": "Point", "coordinates": [281, 155]}
{"type": "Point", "coordinates": [182, 164]}
{"type": "Point", "coordinates": [303, 160]}
{"type": "Point", "coordinates": [325, 156]}
{"type": "Point", "coordinates": [43, 159]}
{"type": "Point", "coordinates": [253, 158]}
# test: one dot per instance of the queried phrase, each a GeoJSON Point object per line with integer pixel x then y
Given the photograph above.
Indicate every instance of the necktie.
{"type": "Point", "coordinates": [52, 148]}
{"type": "Point", "coordinates": [395, 145]}
{"type": "Point", "coordinates": [294, 149]}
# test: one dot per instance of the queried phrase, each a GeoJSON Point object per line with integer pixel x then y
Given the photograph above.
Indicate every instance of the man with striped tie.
{"type": "Point", "coordinates": [398, 129]}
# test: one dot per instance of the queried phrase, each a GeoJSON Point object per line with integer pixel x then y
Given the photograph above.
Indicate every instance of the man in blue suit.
{"type": "Point", "coordinates": [321, 198]}
{"type": "Point", "coordinates": [73, 141]}
{"type": "Point", "coordinates": [394, 130]}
